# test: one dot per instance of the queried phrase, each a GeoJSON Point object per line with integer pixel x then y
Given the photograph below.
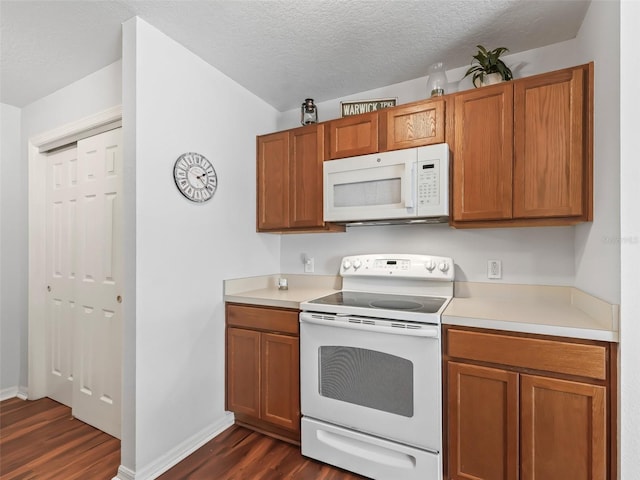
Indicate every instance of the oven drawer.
{"type": "Point", "coordinates": [557, 356]}
{"type": "Point", "coordinates": [263, 318]}
{"type": "Point", "coordinates": [373, 457]}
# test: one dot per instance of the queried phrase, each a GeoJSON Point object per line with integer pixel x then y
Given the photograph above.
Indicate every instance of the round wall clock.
{"type": "Point", "coordinates": [195, 177]}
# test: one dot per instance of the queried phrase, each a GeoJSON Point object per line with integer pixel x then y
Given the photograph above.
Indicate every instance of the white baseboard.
{"type": "Point", "coordinates": [124, 474]}
{"type": "Point", "coordinates": [23, 393]}
{"type": "Point", "coordinates": [11, 392]}
{"type": "Point", "coordinates": [177, 454]}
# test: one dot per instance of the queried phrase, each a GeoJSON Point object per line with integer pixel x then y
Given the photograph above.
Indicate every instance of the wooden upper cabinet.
{"type": "Point", "coordinates": [563, 425]}
{"type": "Point", "coordinates": [352, 136]}
{"type": "Point", "coordinates": [412, 125]}
{"type": "Point", "coordinates": [289, 177]}
{"type": "Point", "coordinates": [522, 151]}
{"type": "Point", "coordinates": [306, 194]}
{"type": "Point", "coordinates": [483, 153]}
{"type": "Point", "coordinates": [273, 181]}
{"type": "Point", "coordinates": [550, 149]}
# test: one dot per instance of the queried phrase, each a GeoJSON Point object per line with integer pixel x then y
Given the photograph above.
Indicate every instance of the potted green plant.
{"type": "Point", "coordinates": [487, 68]}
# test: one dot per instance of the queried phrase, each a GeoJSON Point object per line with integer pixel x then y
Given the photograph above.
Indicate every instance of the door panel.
{"type": "Point", "coordinates": [563, 432]}
{"type": "Point", "coordinates": [483, 423]}
{"type": "Point", "coordinates": [483, 154]}
{"type": "Point", "coordinates": [549, 145]}
{"type": "Point", "coordinates": [273, 181]}
{"type": "Point", "coordinates": [97, 394]}
{"type": "Point", "coordinates": [280, 381]}
{"type": "Point", "coordinates": [243, 371]}
{"type": "Point", "coordinates": [61, 200]}
{"type": "Point", "coordinates": [306, 157]}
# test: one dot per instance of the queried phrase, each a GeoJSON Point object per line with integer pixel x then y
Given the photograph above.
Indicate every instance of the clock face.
{"type": "Point", "coordinates": [195, 177]}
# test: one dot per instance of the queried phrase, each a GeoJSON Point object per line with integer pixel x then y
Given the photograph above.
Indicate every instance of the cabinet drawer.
{"type": "Point", "coordinates": [559, 356]}
{"type": "Point", "coordinates": [263, 318]}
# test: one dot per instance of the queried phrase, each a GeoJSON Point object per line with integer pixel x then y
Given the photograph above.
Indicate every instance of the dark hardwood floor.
{"type": "Point", "coordinates": [41, 440]}
{"type": "Point", "coordinates": [241, 454]}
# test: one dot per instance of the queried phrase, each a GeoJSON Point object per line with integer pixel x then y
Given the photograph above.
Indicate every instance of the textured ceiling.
{"type": "Point", "coordinates": [281, 50]}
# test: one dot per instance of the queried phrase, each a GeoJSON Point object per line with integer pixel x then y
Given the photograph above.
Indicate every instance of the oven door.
{"type": "Point", "coordinates": [378, 380]}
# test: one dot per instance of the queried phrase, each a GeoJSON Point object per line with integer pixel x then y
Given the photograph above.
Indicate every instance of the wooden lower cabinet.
{"type": "Point", "coordinates": [483, 422]}
{"type": "Point", "coordinates": [280, 384]}
{"type": "Point", "coordinates": [563, 429]}
{"type": "Point", "coordinates": [525, 418]}
{"type": "Point", "coordinates": [262, 370]}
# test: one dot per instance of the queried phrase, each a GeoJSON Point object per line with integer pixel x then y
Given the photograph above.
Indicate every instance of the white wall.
{"type": "Point", "coordinates": [13, 235]}
{"type": "Point", "coordinates": [184, 250]}
{"type": "Point", "coordinates": [545, 255]}
{"type": "Point", "coordinates": [586, 256]}
{"type": "Point", "coordinates": [597, 247]}
{"type": "Point", "coordinates": [630, 242]}
{"type": "Point", "coordinates": [93, 93]}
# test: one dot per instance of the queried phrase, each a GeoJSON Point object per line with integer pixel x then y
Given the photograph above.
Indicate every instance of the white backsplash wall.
{"type": "Point", "coordinates": [529, 255]}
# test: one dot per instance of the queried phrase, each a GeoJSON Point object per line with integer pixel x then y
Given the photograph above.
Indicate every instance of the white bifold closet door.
{"type": "Point", "coordinates": [84, 278]}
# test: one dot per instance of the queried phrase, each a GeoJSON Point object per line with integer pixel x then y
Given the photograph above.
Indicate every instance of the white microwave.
{"type": "Point", "coordinates": [401, 186]}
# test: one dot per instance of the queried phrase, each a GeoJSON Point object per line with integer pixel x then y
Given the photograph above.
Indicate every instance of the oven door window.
{"type": "Point", "coordinates": [367, 378]}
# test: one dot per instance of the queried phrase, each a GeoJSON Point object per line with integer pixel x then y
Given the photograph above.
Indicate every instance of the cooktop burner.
{"type": "Point", "coordinates": [382, 301]}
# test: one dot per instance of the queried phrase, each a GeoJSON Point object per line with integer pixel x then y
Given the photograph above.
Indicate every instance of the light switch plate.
{"type": "Point", "coordinates": [309, 266]}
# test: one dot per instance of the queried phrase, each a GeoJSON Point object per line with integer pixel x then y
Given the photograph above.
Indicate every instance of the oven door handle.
{"type": "Point", "coordinates": [427, 331]}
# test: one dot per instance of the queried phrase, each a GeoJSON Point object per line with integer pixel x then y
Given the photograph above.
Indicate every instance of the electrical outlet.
{"type": "Point", "coordinates": [309, 265]}
{"type": "Point", "coordinates": [494, 269]}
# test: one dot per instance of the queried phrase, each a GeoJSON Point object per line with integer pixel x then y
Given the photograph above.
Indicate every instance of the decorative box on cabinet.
{"type": "Point", "coordinates": [522, 151]}
{"type": "Point", "coordinates": [289, 177]}
{"type": "Point", "coordinates": [526, 407]}
{"type": "Point", "coordinates": [262, 370]}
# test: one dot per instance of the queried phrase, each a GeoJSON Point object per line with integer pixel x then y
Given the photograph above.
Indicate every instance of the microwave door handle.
{"type": "Point", "coordinates": [408, 201]}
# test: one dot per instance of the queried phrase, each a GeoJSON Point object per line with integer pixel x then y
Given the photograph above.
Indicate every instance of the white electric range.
{"type": "Point", "coordinates": [370, 367]}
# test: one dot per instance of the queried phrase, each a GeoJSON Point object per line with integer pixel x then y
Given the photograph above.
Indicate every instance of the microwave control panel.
{"type": "Point", "coordinates": [432, 180]}
{"type": "Point", "coordinates": [428, 183]}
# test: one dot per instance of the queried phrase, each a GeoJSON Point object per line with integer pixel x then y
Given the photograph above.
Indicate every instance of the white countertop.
{"type": "Point", "coordinates": [546, 310]}
{"type": "Point", "coordinates": [264, 290]}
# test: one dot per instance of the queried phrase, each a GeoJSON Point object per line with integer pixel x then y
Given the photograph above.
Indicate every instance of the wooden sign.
{"type": "Point", "coordinates": [365, 106]}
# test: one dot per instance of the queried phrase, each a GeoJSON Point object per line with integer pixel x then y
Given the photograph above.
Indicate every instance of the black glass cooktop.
{"type": "Point", "coordinates": [383, 301]}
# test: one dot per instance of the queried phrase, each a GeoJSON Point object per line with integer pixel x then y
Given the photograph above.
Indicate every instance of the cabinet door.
{"type": "Point", "coordinates": [352, 136]}
{"type": "Point", "coordinates": [550, 151]}
{"type": "Point", "coordinates": [483, 423]}
{"type": "Point", "coordinates": [243, 371]}
{"type": "Point", "coordinates": [281, 381]}
{"type": "Point", "coordinates": [306, 157]}
{"type": "Point", "coordinates": [483, 153]}
{"type": "Point", "coordinates": [563, 430]}
{"type": "Point", "coordinates": [412, 125]}
{"type": "Point", "coordinates": [273, 181]}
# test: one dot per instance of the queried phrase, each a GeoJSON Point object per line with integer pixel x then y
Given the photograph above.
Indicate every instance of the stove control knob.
{"type": "Point", "coordinates": [444, 266]}
{"type": "Point", "coordinates": [430, 265]}
{"type": "Point", "coordinates": [357, 264]}
{"type": "Point", "coordinates": [346, 264]}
